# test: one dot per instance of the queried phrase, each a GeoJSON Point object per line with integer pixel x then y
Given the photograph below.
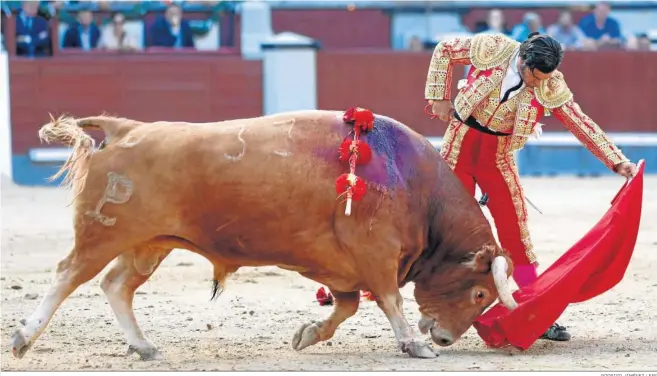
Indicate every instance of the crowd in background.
{"type": "Point", "coordinates": [595, 30]}
{"type": "Point", "coordinates": [84, 32]}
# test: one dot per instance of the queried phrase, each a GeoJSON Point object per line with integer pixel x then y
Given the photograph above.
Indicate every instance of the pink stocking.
{"type": "Point", "coordinates": [524, 275]}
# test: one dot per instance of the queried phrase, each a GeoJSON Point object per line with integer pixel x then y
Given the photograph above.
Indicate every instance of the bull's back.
{"type": "Point", "coordinates": [266, 186]}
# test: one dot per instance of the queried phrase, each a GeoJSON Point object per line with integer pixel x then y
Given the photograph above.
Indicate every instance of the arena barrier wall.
{"type": "Point", "coordinates": [615, 88]}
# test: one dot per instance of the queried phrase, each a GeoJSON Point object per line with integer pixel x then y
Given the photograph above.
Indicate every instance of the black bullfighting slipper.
{"type": "Point", "coordinates": [556, 332]}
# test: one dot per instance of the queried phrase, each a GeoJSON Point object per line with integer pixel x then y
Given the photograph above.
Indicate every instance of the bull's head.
{"type": "Point", "coordinates": [458, 291]}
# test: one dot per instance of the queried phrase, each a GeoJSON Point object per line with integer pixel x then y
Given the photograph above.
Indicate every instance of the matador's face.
{"type": "Point", "coordinates": [532, 77]}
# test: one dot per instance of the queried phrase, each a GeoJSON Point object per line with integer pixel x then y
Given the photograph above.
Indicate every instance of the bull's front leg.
{"type": "Point", "coordinates": [390, 301]}
{"type": "Point", "coordinates": [346, 305]}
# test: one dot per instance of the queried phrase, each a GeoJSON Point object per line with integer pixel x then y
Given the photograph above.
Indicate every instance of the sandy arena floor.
{"type": "Point", "coordinates": [252, 323]}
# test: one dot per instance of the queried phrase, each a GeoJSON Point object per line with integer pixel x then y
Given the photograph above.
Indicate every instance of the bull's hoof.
{"type": "Point", "coordinates": [306, 335]}
{"type": "Point", "coordinates": [146, 354]}
{"type": "Point", "coordinates": [418, 349]}
{"type": "Point", "coordinates": [19, 344]}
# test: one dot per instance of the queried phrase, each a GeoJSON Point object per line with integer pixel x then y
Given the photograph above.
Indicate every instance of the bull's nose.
{"type": "Point", "coordinates": [445, 342]}
{"type": "Point", "coordinates": [441, 337]}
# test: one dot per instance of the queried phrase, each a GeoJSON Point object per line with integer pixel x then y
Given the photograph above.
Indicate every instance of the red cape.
{"type": "Point", "coordinates": [592, 266]}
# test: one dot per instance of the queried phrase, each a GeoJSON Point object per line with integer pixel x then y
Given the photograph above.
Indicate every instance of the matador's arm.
{"type": "Point", "coordinates": [445, 55]}
{"type": "Point", "coordinates": [555, 95]}
{"type": "Point", "coordinates": [590, 134]}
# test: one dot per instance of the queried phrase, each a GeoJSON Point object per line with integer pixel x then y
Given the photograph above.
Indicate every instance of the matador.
{"type": "Point", "coordinates": [508, 88]}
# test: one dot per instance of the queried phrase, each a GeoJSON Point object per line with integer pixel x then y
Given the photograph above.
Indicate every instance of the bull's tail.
{"type": "Point", "coordinates": [70, 132]}
{"type": "Point", "coordinates": [217, 289]}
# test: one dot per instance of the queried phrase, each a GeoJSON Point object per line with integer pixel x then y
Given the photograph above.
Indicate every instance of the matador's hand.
{"type": "Point", "coordinates": [442, 109]}
{"type": "Point", "coordinates": [627, 169]}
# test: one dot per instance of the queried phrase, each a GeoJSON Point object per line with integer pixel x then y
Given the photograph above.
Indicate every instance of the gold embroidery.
{"type": "Point", "coordinates": [507, 167]}
{"type": "Point", "coordinates": [471, 97]}
{"type": "Point", "coordinates": [525, 120]}
{"type": "Point", "coordinates": [491, 50]}
{"type": "Point", "coordinates": [451, 146]}
{"type": "Point", "coordinates": [589, 134]}
{"type": "Point", "coordinates": [553, 92]}
{"type": "Point", "coordinates": [439, 77]}
{"type": "Point", "coordinates": [500, 117]}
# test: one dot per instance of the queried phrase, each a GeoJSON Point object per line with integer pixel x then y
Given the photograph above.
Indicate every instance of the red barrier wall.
{"type": "Point", "coordinates": [617, 89]}
{"type": "Point", "coordinates": [195, 87]}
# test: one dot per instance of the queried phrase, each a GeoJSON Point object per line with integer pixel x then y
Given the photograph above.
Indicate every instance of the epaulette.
{"type": "Point", "coordinates": [491, 50]}
{"type": "Point", "coordinates": [553, 92]}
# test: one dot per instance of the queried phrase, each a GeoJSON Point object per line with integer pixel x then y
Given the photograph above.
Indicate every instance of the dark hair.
{"type": "Point", "coordinates": [542, 52]}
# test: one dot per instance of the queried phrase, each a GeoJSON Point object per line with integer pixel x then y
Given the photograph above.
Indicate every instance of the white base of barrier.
{"type": "Point", "coordinates": [567, 139]}
{"type": "Point", "coordinates": [59, 155]}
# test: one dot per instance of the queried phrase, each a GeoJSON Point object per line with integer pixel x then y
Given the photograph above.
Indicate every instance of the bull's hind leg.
{"type": "Point", "coordinates": [78, 267]}
{"type": "Point", "coordinates": [346, 305]}
{"type": "Point", "coordinates": [130, 271]}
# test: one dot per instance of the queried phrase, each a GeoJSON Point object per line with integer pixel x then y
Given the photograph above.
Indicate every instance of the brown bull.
{"type": "Point", "coordinates": [256, 192]}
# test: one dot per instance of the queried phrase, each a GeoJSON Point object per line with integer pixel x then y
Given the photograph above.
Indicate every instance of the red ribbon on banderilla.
{"type": "Point", "coordinates": [356, 152]}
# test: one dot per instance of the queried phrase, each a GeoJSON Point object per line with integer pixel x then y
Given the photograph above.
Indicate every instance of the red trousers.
{"type": "Point", "coordinates": [480, 158]}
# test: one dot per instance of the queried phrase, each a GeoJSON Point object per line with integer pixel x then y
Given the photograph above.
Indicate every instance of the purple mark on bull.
{"type": "Point", "coordinates": [393, 153]}
{"type": "Point", "coordinates": [391, 148]}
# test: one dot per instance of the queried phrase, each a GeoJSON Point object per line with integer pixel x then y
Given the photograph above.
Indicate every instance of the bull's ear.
{"type": "Point", "coordinates": [483, 259]}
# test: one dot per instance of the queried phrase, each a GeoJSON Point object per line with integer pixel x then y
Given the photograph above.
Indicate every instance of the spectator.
{"type": "Point", "coordinates": [601, 28]}
{"type": "Point", "coordinates": [172, 30]}
{"type": "Point", "coordinates": [643, 42]}
{"type": "Point", "coordinates": [415, 44]}
{"type": "Point", "coordinates": [566, 32]}
{"type": "Point", "coordinates": [82, 34]}
{"type": "Point", "coordinates": [640, 42]}
{"type": "Point", "coordinates": [115, 37]}
{"type": "Point", "coordinates": [495, 23]}
{"type": "Point", "coordinates": [480, 27]}
{"type": "Point", "coordinates": [32, 33]}
{"type": "Point", "coordinates": [531, 23]}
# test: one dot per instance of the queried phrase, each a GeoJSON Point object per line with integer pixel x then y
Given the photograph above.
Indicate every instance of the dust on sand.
{"type": "Point", "coordinates": [251, 325]}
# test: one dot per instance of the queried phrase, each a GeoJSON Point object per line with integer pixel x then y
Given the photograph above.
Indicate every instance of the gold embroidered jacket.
{"type": "Point", "coordinates": [490, 56]}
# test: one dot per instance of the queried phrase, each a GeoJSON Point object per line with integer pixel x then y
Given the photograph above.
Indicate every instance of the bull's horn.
{"type": "Point", "coordinates": [500, 268]}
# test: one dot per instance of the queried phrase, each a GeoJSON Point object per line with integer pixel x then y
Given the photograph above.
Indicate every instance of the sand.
{"type": "Point", "coordinates": [251, 325]}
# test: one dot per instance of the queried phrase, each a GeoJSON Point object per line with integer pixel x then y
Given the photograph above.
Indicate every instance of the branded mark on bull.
{"type": "Point", "coordinates": [241, 154]}
{"type": "Point", "coordinates": [291, 122]}
{"type": "Point", "coordinates": [131, 140]}
{"type": "Point", "coordinates": [118, 191]}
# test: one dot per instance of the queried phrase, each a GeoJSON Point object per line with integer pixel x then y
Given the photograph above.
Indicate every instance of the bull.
{"type": "Point", "coordinates": [260, 192]}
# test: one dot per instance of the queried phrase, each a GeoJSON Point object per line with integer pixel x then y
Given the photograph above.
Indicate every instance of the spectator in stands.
{"type": "Point", "coordinates": [531, 23]}
{"type": "Point", "coordinates": [566, 32]}
{"type": "Point", "coordinates": [496, 23]}
{"type": "Point", "coordinates": [643, 42]}
{"type": "Point", "coordinates": [415, 44]}
{"type": "Point", "coordinates": [84, 33]}
{"type": "Point", "coordinates": [116, 37]}
{"type": "Point", "coordinates": [640, 42]}
{"type": "Point", "coordinates": [172, 30]}
{"type": "Point", "coordinates": [32, 32]}
{"type": "Point", "coordinates": [601, 28]}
